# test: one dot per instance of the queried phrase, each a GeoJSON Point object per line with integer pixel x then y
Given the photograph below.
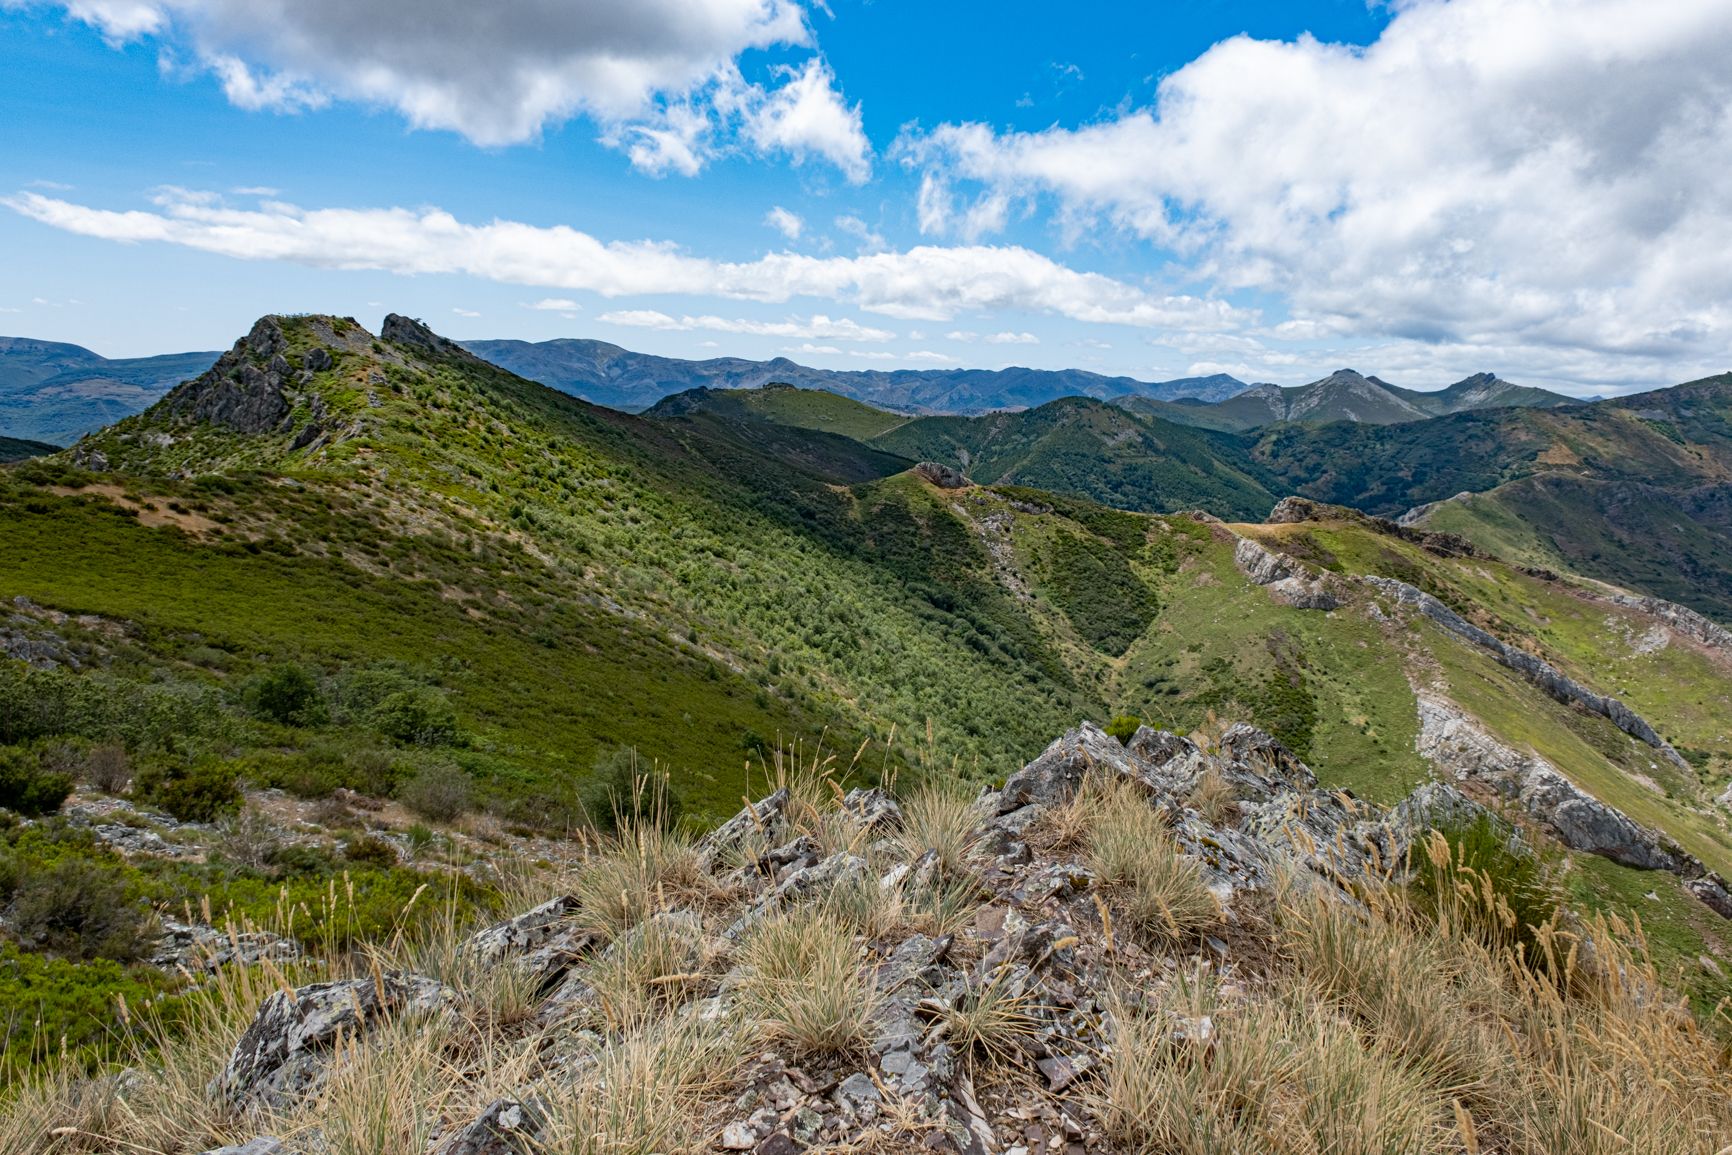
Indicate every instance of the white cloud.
{"type": "Point", "coordinates": [871, 240]}
{"type": "Point", "coordinates": [827, 350]}
{"type": "Point", "coordinates": [963, 335]}
{"type": "Point", "coordinates": [789, 224]}
{"type": "Point", "coordinates": [256, 191]}
{"type": "Point", "coordinates": [1012, 339]}
{"type": "Point", "coordinates": [924, 282]}
{"type": "Point", "coordinates": [6, 309]}
{"type": "Point", "coordinates": [815, 327]}
{"type": "Point", "coordinates": [555, 305]}
{"type": "Point", "coordinates": [660, 76]}
{"type": "Point", "coordinates": [1543, 181]}
{"type": "Point", "coordinates": [465, 312]}
{"type": "Point", "coordinates": [929, 355]}
{"type": "Point", "coordinates": [808, 117]}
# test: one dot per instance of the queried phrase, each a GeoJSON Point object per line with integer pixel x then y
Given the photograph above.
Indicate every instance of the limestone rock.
{"type": "Point", "coordinates": [1286, 579]}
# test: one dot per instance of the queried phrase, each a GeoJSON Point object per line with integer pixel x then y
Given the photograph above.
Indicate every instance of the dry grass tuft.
{"type": "Point", "coordinates": [802, 983]}
{"type": "Point", "coordinates": [941, 817]}
{"type": "Point", "coordinates": [1161, 891]}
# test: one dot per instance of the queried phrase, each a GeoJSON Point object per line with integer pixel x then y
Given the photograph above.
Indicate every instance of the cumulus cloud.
{"type": "Point", "coordinates": [661, 77]}
{"type": "Point", "coordinates": [1542, 178]}
{"type": "Point", "coordinates": [555, 305]}
{"type": "Point", "coordinates": [806, 116]}
{"type": "Point", "coordinates": [789, 224]}
{"type": "Point", "coordinates": [1012, 339]}
{"type": "Point", "coordinates": [924, 282]}
{"type": "Point", "coordinates": [816, 327]}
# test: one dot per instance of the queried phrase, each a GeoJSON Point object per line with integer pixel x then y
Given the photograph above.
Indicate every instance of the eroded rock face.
{"type": "Point", "coordinates": [245, 389]}
{"type": "Point", "coordinates": [1463, 748]}
{"type": "Point", "coordinates": [1288, 581]}
{"type": "Point", "coordinates": [1541, 673]}
{"type": "Point", "coordinates": [284, 1054]}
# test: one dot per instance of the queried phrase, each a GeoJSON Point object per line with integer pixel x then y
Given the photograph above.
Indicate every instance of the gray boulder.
{"type": "Point", "coordinates": [285, 1051]}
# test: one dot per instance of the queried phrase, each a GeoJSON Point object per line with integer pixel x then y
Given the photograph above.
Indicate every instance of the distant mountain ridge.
{"type": "Point", "coordinates": [1347, 395]}
{"type": "Point", "coordinates": [605, 374]}
{"type": "Point", "coordinates": [57, 392]}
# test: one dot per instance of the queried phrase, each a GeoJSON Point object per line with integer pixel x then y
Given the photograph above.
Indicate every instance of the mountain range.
{"type": "Point", "coordinates": [340, 560]}
{"type": "Point", "coordinates": [1345, 395]}
{"type": "Point", "coordinates": [56, 392]}
{"type": "Point", "coordinates": [620, 379]}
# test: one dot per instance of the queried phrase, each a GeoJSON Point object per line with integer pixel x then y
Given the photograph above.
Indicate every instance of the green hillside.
{"type": "Point", "coordinates": [13, 449]}
{"type": "Point", "coordinates": [783, 404]}
{"type": "Point", "coordinates": [378, 563]}
{"type": "Point", "coordinates": [1094, 450]}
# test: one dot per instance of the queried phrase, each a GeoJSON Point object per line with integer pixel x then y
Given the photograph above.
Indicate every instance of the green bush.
{"type": "Point", "coordinates": [1124, 726]}
{"type": "Point", "coordinates": [439, 791]}
{"type": "Point", "coordinates": [28, 788]}
{"type": "Point", "coordinates": [200, 791]}
{"type": "Point", "coordinates": [287, 694]}
{"type": "Point", "coordinates": [78, 908]}
{"type": "Point", "coordinates": [371, 850]}
{"type": "Point", "coordinates": [419, 717]}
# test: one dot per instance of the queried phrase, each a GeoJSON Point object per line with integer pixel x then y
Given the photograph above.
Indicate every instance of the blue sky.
{"type": "Point", "coordinates": [1420, 190]}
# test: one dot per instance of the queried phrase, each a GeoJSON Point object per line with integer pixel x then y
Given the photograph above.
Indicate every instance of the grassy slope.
{"type": "Point", "coordinates": [810, 604]}
{"type": "Point", "coordinates": [1094, 450]}
{"type": "Point", "coordinates": [812, 409]}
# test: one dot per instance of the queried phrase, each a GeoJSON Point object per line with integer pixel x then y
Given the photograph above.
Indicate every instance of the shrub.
{"type": "Point", "coordinates": [201, 791]}
{"type": "Point", "coordinates": [287, 694]}
{"type": "Point", "coordinates": [28, 788]}
{"type": "Point", "coordinates": [439, 792]}
{"type": "Point", "coordinates": [78, 907]}
{"type": "Point", "coordinates": [619, 792]}
{"type": "Point", "coordinates": [108, 769]}
{"type": "Point", "coordinates": [371, 850]}
{"type": "Point", "coordinates": [1124, 727]}
{"type": "Point", "coordinates": [419, 717]}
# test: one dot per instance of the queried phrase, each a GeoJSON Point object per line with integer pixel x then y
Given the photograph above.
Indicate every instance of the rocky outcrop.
{"type": "Point", "coordinates": [1536, 670]}
{"type": "Point", "coordinates": [401, 330]}
{"type": "Point", "coordinates": [1287, 580]}
{"type": "Point", "coordinates": [284, 1054]}
{"type": "Point", "coordinates": [1462, 748]}
{"type": "Point", "coordinates": [1291, 510]}
{"type": "Point", "coordinates": [1680, 619]}
{"type": "Point", "coordinates": [943, 476]}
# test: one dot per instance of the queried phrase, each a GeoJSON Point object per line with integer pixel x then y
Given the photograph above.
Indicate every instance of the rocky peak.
{"type": "Point", "coordinates": [401, 330]}
{"type": "Point", "coordinates": [244, 390]}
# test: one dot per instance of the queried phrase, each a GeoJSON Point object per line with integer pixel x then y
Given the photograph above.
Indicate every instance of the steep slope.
{"type": "Point", "coordinates": [609, 375]}
{"type": "Point", "coordinates": [380, 565]}
{"type": "Point", "coordinates": [760, 579]}
{"type": "Point", "coordinates": [57, 393]}
{"type": "Point", "coordinates": [1094, 450]}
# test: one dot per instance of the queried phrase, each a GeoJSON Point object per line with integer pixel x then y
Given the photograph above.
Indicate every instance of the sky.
{"type": "Point", "coordinates": [1419, 189]}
